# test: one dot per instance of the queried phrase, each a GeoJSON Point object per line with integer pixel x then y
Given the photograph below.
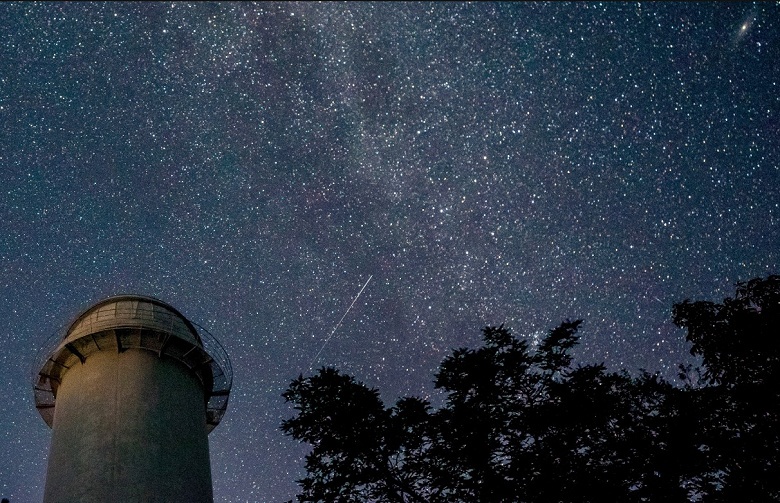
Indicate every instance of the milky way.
{"type": "Point", "coordinates": [254, 165]}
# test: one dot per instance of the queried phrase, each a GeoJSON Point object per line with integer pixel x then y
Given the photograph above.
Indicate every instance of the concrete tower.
{"type": "Point", "coordinates": [131, 391]}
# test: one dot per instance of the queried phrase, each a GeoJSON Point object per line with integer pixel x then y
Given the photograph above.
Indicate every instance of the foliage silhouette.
{"type": "Point", "coordinates": [524, 424]}
{"type": "Point", "coordinates": [739, 343]}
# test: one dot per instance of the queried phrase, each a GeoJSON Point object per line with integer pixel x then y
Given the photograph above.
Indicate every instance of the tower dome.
{"type": "Point", "coordinates": [135, 322]}
{"type": "Point", "coordinates": [131, 390]}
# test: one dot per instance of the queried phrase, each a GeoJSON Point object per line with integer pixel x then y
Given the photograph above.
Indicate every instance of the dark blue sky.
{"type": "Point", "coordinates": [253, 165]}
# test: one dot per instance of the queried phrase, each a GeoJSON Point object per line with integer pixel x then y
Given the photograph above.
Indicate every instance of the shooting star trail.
{"type": "Point", "coordinates": [311, 365]}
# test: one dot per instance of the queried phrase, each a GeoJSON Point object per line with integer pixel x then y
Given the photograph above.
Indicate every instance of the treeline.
{"type": "Point", "coordinates": [524, 424]}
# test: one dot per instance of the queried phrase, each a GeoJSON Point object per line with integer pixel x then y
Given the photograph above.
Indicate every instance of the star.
{"type": "Point", "coordinates": [253, 164]}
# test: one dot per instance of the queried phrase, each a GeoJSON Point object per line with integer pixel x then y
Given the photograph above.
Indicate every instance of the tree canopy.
{"type": "Point", "coordinates": [524, 424]}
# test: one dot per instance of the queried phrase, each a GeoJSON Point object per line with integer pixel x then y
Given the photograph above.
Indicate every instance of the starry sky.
{"type": "Point", "coordinates": [255, 165]}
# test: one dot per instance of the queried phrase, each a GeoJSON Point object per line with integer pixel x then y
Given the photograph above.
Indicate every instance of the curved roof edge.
{"type": "Point", "coordinates": [130, 296]}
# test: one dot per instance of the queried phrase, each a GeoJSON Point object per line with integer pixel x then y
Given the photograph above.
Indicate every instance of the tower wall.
{"type": "Point", "coordinates": [129, 426]}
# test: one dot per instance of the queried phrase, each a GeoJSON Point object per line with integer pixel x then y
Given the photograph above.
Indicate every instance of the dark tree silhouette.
{"type": "Point", "coordinates": [524, 424]}
{"type": "Point", "coordinates": [738, 341]}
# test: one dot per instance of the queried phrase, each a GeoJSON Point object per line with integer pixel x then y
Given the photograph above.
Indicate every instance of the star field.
{"type": "Point", "coordinates": [253, 165]}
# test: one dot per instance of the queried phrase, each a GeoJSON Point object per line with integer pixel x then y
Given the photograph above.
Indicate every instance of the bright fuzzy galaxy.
{"type": "Point", "coordinates": [254, 165]}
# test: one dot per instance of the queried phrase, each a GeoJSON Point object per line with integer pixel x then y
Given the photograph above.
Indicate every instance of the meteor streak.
{"type": "Point", "coordinates": [311, 365]}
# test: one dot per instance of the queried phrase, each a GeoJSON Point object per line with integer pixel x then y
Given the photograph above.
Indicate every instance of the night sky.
{"type": "Point", "coordinates": [255, 165]}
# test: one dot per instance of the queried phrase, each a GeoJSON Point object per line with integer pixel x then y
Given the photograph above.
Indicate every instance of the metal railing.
{"type": "Point", "coordinates": [145, 329]}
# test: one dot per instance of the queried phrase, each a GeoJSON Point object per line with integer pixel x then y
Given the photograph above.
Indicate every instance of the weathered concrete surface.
{"type": "Point", "coordinates": [129, 427]}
